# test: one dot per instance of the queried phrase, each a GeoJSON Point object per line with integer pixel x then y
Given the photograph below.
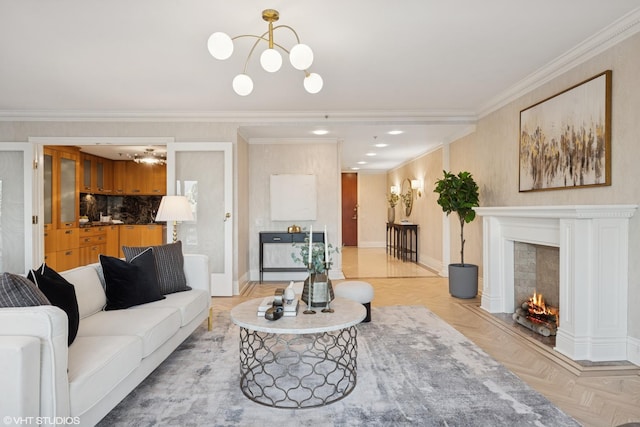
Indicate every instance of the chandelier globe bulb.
{"type": "Point", "coordinates": [301, 56]}
{"type": "Point", "coordinates": [242, 84]}
{"type": "Point", "coordinates": [271, 60]}
{"type": "Point", "coordinates": [313, 83]}
{"type": "Point", "coordinates": [220, 45]}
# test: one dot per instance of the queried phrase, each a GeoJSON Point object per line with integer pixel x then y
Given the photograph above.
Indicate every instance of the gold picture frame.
{"type": "Point", "coordinates": [565, 140]}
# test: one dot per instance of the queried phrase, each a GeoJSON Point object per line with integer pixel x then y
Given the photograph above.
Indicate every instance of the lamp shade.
{"type": "Point", "coordinates": [242, 84]}
{"type": "Point", "coordinates": [271, 60]}
{"type": "Point", "coordinates": [313, 83]}
{"type": "Point", "coordinates": [220, 45]}
{"type": "Point", "coordinates": [174, 208]}
{"type": "Point", "coordinates": [301, 57]}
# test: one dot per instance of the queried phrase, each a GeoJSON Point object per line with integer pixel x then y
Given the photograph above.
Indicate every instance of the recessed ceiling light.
{"type": "Point", "coordinates": [370, 154]}
{"type": "Point", "coordinates": [355, 169]}
{"type": "Point", "coordinates": [381, 145]}
{"type": "Point", "coordinates": [395, 132]}
{"type": "Point", "coordinates": [320, 132]}
{"type": "Point", "coordinates": [362, 162]}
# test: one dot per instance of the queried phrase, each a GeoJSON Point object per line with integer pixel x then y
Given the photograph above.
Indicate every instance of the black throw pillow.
{"type": "Point", "coordinates": [130, 283]}
{"type": "Point", "coordinates": [60, 292]}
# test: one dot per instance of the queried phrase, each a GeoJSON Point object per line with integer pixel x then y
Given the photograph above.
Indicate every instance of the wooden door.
{"type": "Point", "coordinates": [350, 209]}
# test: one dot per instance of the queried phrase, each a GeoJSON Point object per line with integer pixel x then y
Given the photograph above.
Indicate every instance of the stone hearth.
{"type": "Point", "coordinates": [593, 242]}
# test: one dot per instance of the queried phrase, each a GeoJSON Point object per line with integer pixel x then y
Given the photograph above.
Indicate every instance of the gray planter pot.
{"type": "Point", "coordinates": [463, 280]}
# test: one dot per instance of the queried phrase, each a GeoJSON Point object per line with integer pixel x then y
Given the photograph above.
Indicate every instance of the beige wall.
{"type": "Point", "coordinates": [321, 160]}
{"type": "Point", "coordinates": [491, 155]}
{"type": "Point", "coordinates": [372, 210]}
{"type": "Point", "coordinates": [425, 212]}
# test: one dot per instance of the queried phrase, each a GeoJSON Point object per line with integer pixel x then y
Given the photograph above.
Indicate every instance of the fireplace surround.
{"type": "Point", "coordinates": [593, 242]}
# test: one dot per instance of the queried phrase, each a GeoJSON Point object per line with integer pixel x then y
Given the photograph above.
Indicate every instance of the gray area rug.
{"type": "Point", "coordinates": [413, 369]}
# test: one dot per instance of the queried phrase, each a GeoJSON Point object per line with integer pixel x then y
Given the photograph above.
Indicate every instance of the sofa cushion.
{"type": "Point", "coordinates": [97, 365]}
{"type": "Point", "coordinates": [153, 325]}
{"type": "Point", "coordinates": [130, 283]}
{"type": "Point", "coordinates": [18, 291]}
{"type": "Point", "coordinates": [169, 265]}
{"type": "Point", "coordinates": [89, 292]}
{"type": "Point", "coordinates": [190, 304]}
{"type": "Point", "coordinates": [60, 293]}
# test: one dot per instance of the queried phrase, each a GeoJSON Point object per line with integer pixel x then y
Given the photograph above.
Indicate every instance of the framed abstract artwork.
{"type": "Point", "coordinates": [565, 140]}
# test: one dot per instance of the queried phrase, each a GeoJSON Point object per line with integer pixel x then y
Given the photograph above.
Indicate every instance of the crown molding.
{"type": "Point", "coordinates": [618, 31]}
{"type": "Point", "coordinates": [247, 117]}
{"type": "Point", "coordinates": [102, 140]}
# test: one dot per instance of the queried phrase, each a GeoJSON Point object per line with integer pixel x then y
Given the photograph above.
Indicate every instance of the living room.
{"type": "Point", "coordinates": [488, 149]}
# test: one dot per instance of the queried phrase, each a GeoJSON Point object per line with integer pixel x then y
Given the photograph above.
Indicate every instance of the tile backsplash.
{"type": "Point", "coordinates": [128, 209]}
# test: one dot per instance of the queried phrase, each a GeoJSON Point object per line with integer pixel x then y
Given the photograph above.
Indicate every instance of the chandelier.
{"type": "Point", "coordinates": [301, 56]}
{"type": "Point", "coordinates": [150, 157]}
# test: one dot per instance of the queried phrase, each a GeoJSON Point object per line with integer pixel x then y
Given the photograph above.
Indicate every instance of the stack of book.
{"type": "Point", "coordinates": [290, 308]}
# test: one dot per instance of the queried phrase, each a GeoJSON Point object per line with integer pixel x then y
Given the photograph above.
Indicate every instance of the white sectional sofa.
{"type": "Point", "coordinates": [112, 353]}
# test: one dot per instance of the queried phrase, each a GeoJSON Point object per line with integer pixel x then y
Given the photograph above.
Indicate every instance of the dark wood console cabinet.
{"type": "Point", "coordinates": [283, 237]}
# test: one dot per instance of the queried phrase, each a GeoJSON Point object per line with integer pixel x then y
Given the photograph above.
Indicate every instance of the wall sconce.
{"type": "Point", "coordinates": [417, 185]}
{"type": "Point", "coordinates": [395, 189]}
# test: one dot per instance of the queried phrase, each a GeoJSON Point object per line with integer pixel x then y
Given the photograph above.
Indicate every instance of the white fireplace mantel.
{"type": "Point", "coordinates": [594, 244]}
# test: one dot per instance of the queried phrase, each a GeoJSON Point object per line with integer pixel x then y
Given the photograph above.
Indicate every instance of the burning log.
{"type": "Point", "coordinates": [520, 316]}
{"type": "Point", "coordinates": [537, 316]}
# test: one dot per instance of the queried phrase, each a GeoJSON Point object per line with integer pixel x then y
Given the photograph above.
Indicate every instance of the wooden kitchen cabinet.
{"type": "Point", "coordinates": [147, 180]}
{"type": "Point", "coordinates": [61, 172]}
{"type": "Point", "coordinates": [113, 241]}
{"type": "Point", "coordinates": [92, 243]}
{"type": "Point", "coordinates": [97, 174]}
{"type": "Point", "coordinates": [67, 253]}
{"type": "Point", "coordinates": [140, 235]}
{"type": "Point", "coordinates": [119, 177]}
{"type": "Point", "coordinates": [158, 182]}
{"type": "Point", "coordinates": [61, 178]}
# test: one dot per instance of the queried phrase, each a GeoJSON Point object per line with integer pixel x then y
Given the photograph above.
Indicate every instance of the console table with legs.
{"type": "Point", "coordinates": [287, 238]}
{"type": "Point", "coordinates": [402, 241]}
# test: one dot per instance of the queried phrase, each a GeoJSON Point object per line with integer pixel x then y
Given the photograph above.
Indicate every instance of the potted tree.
{"type": "Point", "coordinates": [459, 194]}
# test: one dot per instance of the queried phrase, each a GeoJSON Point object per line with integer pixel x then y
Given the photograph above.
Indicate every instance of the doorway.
{"type": "Point", "coordinates": [350, 209]}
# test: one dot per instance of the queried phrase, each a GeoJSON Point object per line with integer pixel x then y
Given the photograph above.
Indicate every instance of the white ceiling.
{"type": "Point", "coordinates": [428, 67]}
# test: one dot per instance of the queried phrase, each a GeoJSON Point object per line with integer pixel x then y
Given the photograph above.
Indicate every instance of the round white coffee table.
{"type": "Point", "coordinates": [302, 361]}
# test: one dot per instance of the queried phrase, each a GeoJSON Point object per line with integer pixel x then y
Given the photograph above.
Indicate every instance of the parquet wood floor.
{"type": "Point", "coordinates": [595, 399]}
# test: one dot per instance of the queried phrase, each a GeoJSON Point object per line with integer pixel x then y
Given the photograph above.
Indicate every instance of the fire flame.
{"type": "Point", "coordinates": [537, 306]}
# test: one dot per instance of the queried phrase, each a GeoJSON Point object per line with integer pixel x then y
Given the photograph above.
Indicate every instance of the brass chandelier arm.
{"type": "Point", "coordinates": [268, 40]}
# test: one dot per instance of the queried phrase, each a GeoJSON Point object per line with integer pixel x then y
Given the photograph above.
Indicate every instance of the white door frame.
{"type": "Point", "coordinates": [221, 283]}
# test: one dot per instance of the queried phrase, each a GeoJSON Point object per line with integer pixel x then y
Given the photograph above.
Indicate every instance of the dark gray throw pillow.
{"type": "Point", "coordinates": [130, 283]}
{"type": "Point", "coordinates": [169, 265]}
{"type": "Point", "coordinates": [60, 293]}
{"type": "Point", "coordinates": [18, 291]}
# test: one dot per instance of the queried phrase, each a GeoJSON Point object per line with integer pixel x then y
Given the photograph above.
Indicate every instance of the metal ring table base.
{"type": "Point", "coordinates": [298, 371]}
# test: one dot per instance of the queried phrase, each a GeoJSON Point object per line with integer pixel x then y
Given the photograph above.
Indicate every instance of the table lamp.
{"type": "Point", "coordinates": [174, 208]}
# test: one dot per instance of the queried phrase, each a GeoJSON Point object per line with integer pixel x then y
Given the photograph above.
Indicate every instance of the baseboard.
{"type": "Point", "coordinates": [371, 245]}
{"type": "Point", "coordinates": [633, 350]}
{"type": "Point", "coordinates": [431, 264]}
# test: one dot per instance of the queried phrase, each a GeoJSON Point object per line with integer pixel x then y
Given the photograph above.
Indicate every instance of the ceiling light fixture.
{"type": "Point", "coordinates": [380, 145]}
{"type": "Point", "coordinates": [370, 154]}
{"type": "Point", "coordinates": [320, 132]}
{"type": "Point", "coordinates": [395, 132]}
{"type": "Point", "coordinates": [301, 56]}
{"type": "Point", "coordinates": [150, 157]}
